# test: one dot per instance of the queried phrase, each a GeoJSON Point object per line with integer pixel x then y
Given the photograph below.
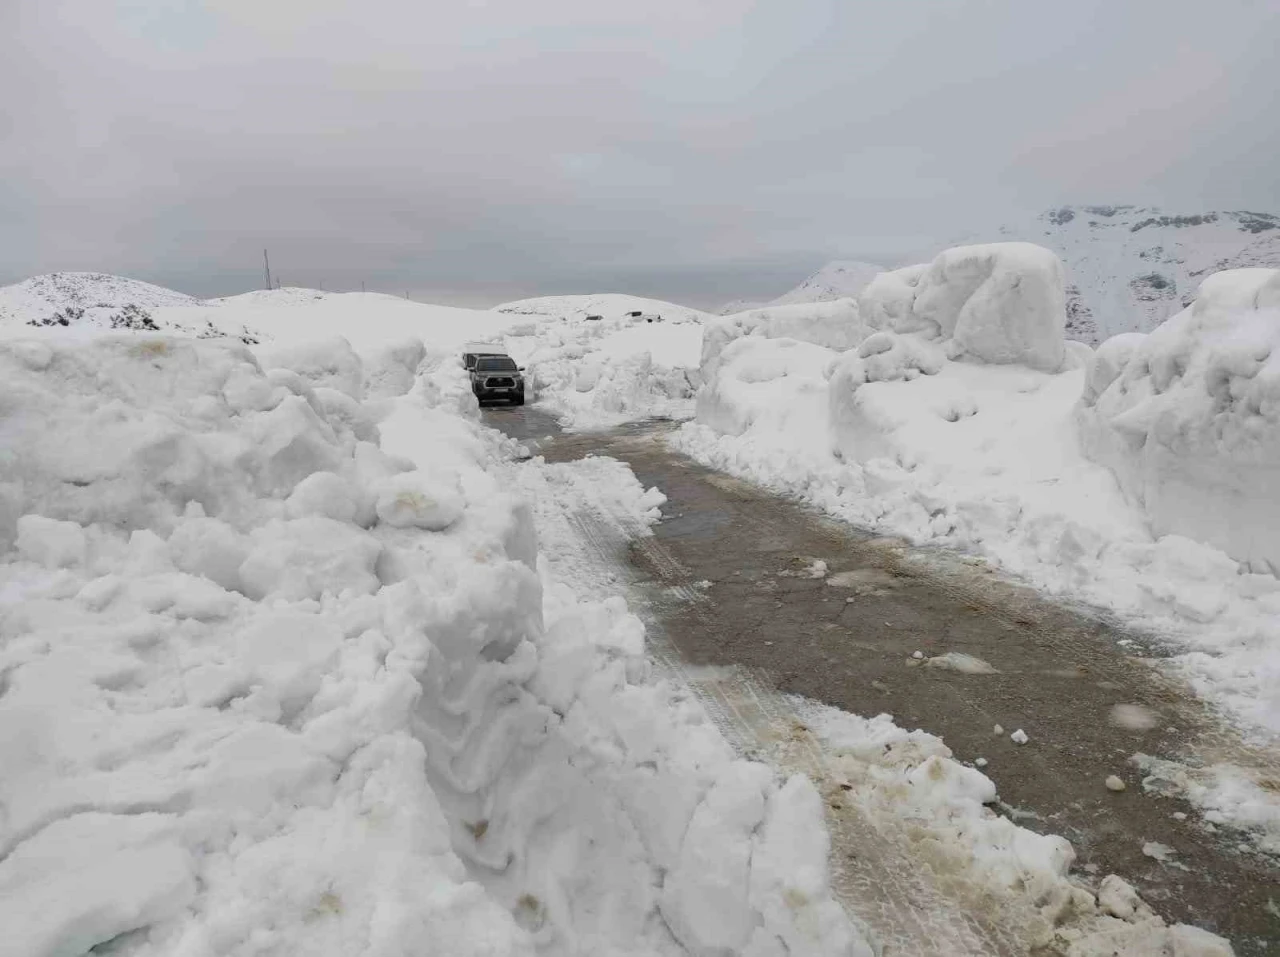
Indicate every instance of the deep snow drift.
{"type": "Point", "coordinates": [913, 433]}
{"type": "Point", "coordinates": [281, 678]}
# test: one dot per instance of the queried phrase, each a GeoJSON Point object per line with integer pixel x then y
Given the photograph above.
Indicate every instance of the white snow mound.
{"type": "Point", "coordinates": [1188, 417]}
{"type": "Point", "coordinates": [1000, 303]}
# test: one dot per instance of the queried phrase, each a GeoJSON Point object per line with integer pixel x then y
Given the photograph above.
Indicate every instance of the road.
{"type": "Point", "coordinates": [717, 583]}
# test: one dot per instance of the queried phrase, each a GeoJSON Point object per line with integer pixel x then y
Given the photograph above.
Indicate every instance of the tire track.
{"type": "Point", "coordinates": [883, 887]}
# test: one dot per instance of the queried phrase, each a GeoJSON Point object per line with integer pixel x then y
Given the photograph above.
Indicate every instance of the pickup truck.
{"type": "Point", "coordinates": [495, 376]}
{"type": "Point", "coordinates": [644, 316]}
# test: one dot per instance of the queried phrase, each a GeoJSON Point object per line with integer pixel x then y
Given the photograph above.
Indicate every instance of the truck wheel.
{"type": "Point", "coordinates": [518, 400]}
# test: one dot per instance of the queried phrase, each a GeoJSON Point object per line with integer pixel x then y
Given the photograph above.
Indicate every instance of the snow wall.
{"type": "Point", "coordinates": [284, 673]}
{"type": "Point", "coordinates": [1188, 417]}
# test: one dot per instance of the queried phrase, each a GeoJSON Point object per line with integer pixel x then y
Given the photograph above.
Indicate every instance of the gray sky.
{"type": "Point", "coordinates": [698, 150]}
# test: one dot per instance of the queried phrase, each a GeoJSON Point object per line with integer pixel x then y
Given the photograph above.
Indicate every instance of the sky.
{"type": "Point", "coordinates": [476, 151]}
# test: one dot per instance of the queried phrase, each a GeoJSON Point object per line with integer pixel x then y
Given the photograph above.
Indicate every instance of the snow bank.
{"type": "Point", "coordinates": [276, 683]}
{"type": "Point", "coordinates": [836, 325]}
{"type": "Point", "coordinates": [907, 435]}
{"type": "Point", "coordinates": [996, 303]}
{"type": "Point", "coordinates": [1188, 417]}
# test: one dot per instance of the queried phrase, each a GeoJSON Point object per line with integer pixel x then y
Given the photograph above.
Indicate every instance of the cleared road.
{"type": "Point", "coordinates": [1056, 672]}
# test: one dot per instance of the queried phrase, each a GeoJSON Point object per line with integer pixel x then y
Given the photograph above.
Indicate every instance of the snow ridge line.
{"type": "Point", "coordinates": [895, 899]}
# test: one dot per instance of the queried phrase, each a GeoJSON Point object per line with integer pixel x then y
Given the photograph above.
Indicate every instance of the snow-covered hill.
{"type": "Point", "coordinates": [605, 305]}
{"type": "Point", "coordinates": [1131, 267]}
{"type": "Point", "coordinates": [94, 298]}
{"type": "Point", "coordinates": [836, 280]}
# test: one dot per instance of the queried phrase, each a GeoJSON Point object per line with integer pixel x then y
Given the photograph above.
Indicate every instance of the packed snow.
{"type": "Point", "coordinates": [1188, 418]}
{"type": "Point", "coordinates": [284, 672]}
{"type": "Point", "coordinates": [936, 428]}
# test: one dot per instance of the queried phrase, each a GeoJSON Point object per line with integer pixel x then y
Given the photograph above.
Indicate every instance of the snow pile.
{"type": "Point", "coordinates": [1000, 303]}
{"type": "Point", "coordinates": [836, 325]}
{"type": "Point", "coordinates": [278, 679]}
{"type": "Point", "coordinates": [906, 435]}
{"type": "Point", "coordinates": [601, 373]}
{"type": "Point", "coordinates": [1188, 417]}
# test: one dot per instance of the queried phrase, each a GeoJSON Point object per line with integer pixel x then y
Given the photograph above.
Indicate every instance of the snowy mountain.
{"type": "Point", "coordinates": [1131, 267]}
{"type": "Point", "coordinates": [835, 280]}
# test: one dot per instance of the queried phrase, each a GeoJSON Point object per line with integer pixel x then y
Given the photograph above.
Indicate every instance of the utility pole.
{"type": "Point", "coordinates": [362, 285]}
{"type": "Point", "coordinates": [266, 268]}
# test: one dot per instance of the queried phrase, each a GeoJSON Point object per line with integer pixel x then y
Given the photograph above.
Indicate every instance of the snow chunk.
{"type": "Point", "coordinates": [1019, 737]}
{"type": "Point", "coordinates": [962, 663]}
{"type": "Point", "coordinates": [51, 543]}
{"type": "Point", "coordinates": [835, 325]}
{"type": "Point", "coordinates": [1000, 303]}
{"type": "Point", "coordinates": [1118, 898]}
{"type": "Point", "coordinates": [89, 878]}
{"type": "Point", "coordinates": [420, 500]}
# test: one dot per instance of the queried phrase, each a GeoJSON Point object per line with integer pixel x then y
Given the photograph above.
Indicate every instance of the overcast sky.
{"type": "Point", "coordinates": [698, 150]}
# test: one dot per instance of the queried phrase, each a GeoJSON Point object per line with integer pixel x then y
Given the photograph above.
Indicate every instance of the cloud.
{"type": "Point", "coordinates": [469, 148]}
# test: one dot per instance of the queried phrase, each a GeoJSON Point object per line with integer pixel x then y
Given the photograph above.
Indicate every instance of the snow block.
{"type": "Point", "coordinates": [836, 325]}
{"type": "Point", "coordinates": [1001, 303]}
{"type": "Point", "coordinates": [1188, 417]}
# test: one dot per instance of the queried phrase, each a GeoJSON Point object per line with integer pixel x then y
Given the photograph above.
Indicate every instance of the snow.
{"type": "Point", "coordinates": [905, 435]}
{"type": "Point", "coordinates": [1188, 418]}
{"type": "Point", "coordinates": [287, 670]}
{"type": "Point", "coordinates": [1002, 303]}
{"type": "Point", "coordinates": [598, 374]}
{"type": "Point", "coordinates": [1131, 267]}
{"type": "Point", "coordinates": [606, 305]}
{"type": "Point", "coordinates": [835, 325]}
{"type": "Point", "coordinates": [839, 279]}
{"type": "Point", "coordinates": [1019, 737]}
{"type": "Point", "coordinates": [909, 779]}
{"type": "Point", "coordinates": [40, 297]}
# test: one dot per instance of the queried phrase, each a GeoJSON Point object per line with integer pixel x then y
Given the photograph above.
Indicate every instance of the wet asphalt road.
{"type": "Point", "coordinates": [848, 640]}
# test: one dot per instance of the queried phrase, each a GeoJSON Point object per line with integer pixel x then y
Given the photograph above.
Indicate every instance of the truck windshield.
{"type": "Point", "coordinates": [496, 364]}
